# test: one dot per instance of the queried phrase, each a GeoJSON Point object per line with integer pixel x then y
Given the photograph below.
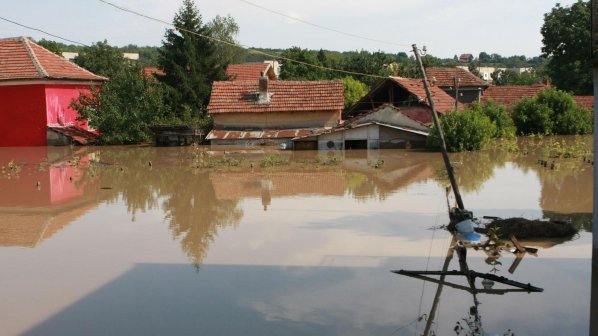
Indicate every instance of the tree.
{"type": "Point", "coordinates": [551, 111]}
{"type": "Point", "coordinates": [190, 62]}
{"type": "Point", "coordinates": [224, 28]}
{"type": "Point", "coordinates": [566, 43]}
{"type": "Point", "coordinates": [465, 130]}
{"type": "Point", "coordinates": [354, 90]}
{"type": "Point", "coordinates": [300, 70]}
{"type": "Point", "coordinates": [52, 46]}
{"type": "Point", "coordinates": [102, 59]}
{"type": "Point", "coordinates": [498, 115]}
{"type": "Point", "coordinates": [123, 108]}
{"type": "Point", "coordinates": [512, 77]}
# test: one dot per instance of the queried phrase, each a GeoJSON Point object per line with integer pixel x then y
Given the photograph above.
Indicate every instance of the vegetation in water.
{"type": "Point", "coordinates": [273, 160]}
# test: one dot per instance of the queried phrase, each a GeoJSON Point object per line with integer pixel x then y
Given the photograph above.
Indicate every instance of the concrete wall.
{"type": "Point", "coordinates": [377, 137]}
{"type": "Point", "coordinates": [58, 101]}
{"type": "Point", "coordinates": [277, 120]}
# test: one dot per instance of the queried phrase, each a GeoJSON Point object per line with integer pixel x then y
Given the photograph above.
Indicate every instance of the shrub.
{"type": "Point", "coordinates": [505, 128]}
{"type": "Point", "coordinates": [465, 130]}
{"type": "Point", "coordinates": [551, 111]}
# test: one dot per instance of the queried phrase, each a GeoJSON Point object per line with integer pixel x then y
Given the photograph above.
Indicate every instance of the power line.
{"type": "Point", "coordinates": [324, 27]}
{"type": "Point", "coordinates": [42, 31]}
{"type": "Point", "coordinates": [238, 45]}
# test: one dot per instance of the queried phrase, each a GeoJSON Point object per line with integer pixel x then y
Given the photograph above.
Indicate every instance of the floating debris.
{"type": "Point", "coordinates": [529, 229]}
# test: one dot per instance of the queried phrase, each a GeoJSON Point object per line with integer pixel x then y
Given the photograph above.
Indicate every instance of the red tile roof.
{"type": "Point", "coordinates": [586, 102]}
{"type": "Point", "coordinates": [445, 77]}
{"type": "Point", "coordinates": [249, 71]}
{"type": "Point", "coordinates": [23, 59]}
{"type": "Point", "coordinates": [509, 95]}
{"type": "Point", "coordinates": [442, 101]}
{"type": "Point", "coordinates": [266, 134]}
{"type": "Point", "coordinates": [241, 96]}
{"type": "Point", "coordinates": [151, 71]}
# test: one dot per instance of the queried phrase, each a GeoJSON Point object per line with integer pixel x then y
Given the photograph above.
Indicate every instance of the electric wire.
{"type": "Point", "coordinates": [238, 45]}
{"type": "Point", "coordinates": [323, 27]}
{"type": "Point", "coordinates": [42, 31]}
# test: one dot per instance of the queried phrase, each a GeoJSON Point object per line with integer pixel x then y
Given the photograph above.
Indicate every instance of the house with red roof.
{"type": "Point", "coordinates": [36, 90]}
{"type": "Point", "coordinates": [250, 71]}
{"type": "Point", "coordinates": [407, 94]}
{"type": "Point", "coordinates": [267, 112]}
{"type": "Point", "coordinates": [509, 95]}
{"type": "Point", "coordinates": [458, 83]}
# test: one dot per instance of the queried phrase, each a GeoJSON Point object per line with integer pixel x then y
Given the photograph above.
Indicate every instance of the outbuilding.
{"type": "Point", "coordinates": [36, 90]}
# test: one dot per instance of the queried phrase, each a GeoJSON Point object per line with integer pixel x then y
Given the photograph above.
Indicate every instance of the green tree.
{"type": "Point", "coordinates": [566, 38]}
{"type": "Point", "coordinates": [465, 130]}
{"type": "Point", "coordinates": [102, 59]}
{"type": "Point", "coordinates": [224, 28]}
{"type": "Point", "coordinates": [512, 77]}
{"type": "Point", "coordinates": [300, 70]}
{"type": "Point", "coordinates": [189, 61]}
{"type": "Point", "coordinates": [124, 106]}
{"type": "Point", "coordinates": [354, 90]}
{"type": "Point", "coordinates": [368, 63]}
{"type": "Point", "coordinates": [504, 125]}
{"type": "Point", "coordinates": [52, 46]}
{"type": "Point", "coordinates": [551, 111]}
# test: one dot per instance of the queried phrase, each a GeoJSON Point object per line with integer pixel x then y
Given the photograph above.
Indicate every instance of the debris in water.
{"type": "Point", "coordinates": [525, 228]}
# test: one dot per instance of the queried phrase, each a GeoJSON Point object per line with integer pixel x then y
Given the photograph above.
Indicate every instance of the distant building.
{"type": "Point", "coordinates": [466, 58]}
{"type": "Point", "coordinates": [36, 90]}
{"type": "Point", "coordinates": [470, 87]}
{"type": "Point", "coordinates": [71, 55]}
{"type": "Point", "coordinates": [269, 112]}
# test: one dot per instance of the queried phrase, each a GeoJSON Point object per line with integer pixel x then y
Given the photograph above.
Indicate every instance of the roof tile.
{"type": "Point", "coordinates": [510, 94]}
{"type": "Point", "coordinates": [23, 59]}
{"type": "Point", "coordinates": [445, 77]}
{"type": "Point", "coordinates": [241, 96]}
{"type": "Point", "coordinates": [249, 71]}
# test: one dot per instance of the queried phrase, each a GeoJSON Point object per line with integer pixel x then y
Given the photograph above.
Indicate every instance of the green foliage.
{"type": "Point", "coordinates": [566, 38]}
{"type": "Point", "coordinates": [465, 130]}
{"type": "Point", "coordinates": [274, 160]}
{"type": "Point", "coordinates": [224, 28]}
{"type": "Point", "coordinates": [354, 90]}
{"type": "Point", "coordinates": [123, 108]}
{"type": "Point", "coordinates": [368, 63]}
{"type": "Point", "coordinates": [190, 62]}
{"type": "Point", "coordinates": [302, 71]}
{"type": "Point", "coordinates": [512, 77]}
{"type": "Point", "coordinates": [551, 111]}
{"type": "Point", "coordinates": [532, 118]}
{"type": "Point", "coordinates": [504, 125]}
{"type": "Point", "coordinates": [102, 59]}
{"type": "Point", "coordinates": [52, 46]}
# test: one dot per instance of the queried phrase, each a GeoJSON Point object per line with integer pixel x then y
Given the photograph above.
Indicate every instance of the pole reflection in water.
{"type": "Point", "coordinates": [472, 324]}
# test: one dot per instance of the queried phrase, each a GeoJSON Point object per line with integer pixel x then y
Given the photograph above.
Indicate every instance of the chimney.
{"type": "Point", "coordinates": [264, 96]}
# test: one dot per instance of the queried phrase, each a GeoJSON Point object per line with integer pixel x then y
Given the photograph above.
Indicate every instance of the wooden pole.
{"type": "Point", "coordinates": [445, 157]}
{"type": "Point", "coordinates": [456, 93]}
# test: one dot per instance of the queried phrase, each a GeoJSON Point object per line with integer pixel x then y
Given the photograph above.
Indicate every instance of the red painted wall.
{"type": "Point", "coordinates": [22, 115]}
{"type": "Point", "coordinates": [58, 101]}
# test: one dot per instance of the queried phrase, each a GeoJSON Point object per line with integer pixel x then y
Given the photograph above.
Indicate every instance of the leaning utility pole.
{"type": "Point", "coordinates": [447, 162]}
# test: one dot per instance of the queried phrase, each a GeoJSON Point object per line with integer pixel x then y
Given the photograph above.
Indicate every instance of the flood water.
{"type": "Point", "coordinates": [183, 241]}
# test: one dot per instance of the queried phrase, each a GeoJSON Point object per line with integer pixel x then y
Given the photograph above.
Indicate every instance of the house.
{"type": "Point", "coordinates": [382, 128]}
{"type": "Point", "coordinates": [269, 112]}
{"type": "Point", "coordinates": [508, 95]}
{"type": "Point", "coordinates": [466, 58]}
{"type": "Point", "coordinates": [251, 71]}
{"type": "Point", "coordinates": [36, 90]}
{"type": "Point", "coordinates": [409, 95]}
{"type": "Point", "coordinates": [451, 80]}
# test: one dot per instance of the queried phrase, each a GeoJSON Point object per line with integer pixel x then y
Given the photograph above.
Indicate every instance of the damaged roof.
{"type": "Point", "coordinates": [262, 134]}
{"type": "Point", "coordinates": [23, 59]}
{"type": "Point", "coordinates": [300, 96]}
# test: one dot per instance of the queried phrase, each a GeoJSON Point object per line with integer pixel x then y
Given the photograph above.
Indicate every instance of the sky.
{"type": "Point", "coordinates": [446, 28]}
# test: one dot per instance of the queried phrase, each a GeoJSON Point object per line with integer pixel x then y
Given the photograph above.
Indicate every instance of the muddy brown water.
{"type": "Point", "coordinates": [186, 241]}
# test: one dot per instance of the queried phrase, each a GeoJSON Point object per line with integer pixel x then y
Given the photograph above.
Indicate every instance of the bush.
{"type": "Point", "coordinates": [505, 128]}
{"type": "Point", "coordinates": [465, 130]}
{"type": "Point", "coordinates": [551, 111]}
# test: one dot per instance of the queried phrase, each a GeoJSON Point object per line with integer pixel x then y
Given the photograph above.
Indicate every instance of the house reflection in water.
{"type": "Point", "coordinates": [43, 192]}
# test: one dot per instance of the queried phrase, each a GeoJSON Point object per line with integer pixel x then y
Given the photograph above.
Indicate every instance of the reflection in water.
{"type": "Point", "coordinates": [345, 224]}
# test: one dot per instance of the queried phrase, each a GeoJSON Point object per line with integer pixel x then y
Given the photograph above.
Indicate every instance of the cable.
{"type": "Point", "coordinates": [41, 31]}
{"type": "Point", "coordinates": [237, 44]}
{"type": "Point", "coordinates": [323, 27]}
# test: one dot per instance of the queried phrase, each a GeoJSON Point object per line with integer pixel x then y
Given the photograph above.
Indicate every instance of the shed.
{"type": "Point", "coordinates": [36, 90]}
